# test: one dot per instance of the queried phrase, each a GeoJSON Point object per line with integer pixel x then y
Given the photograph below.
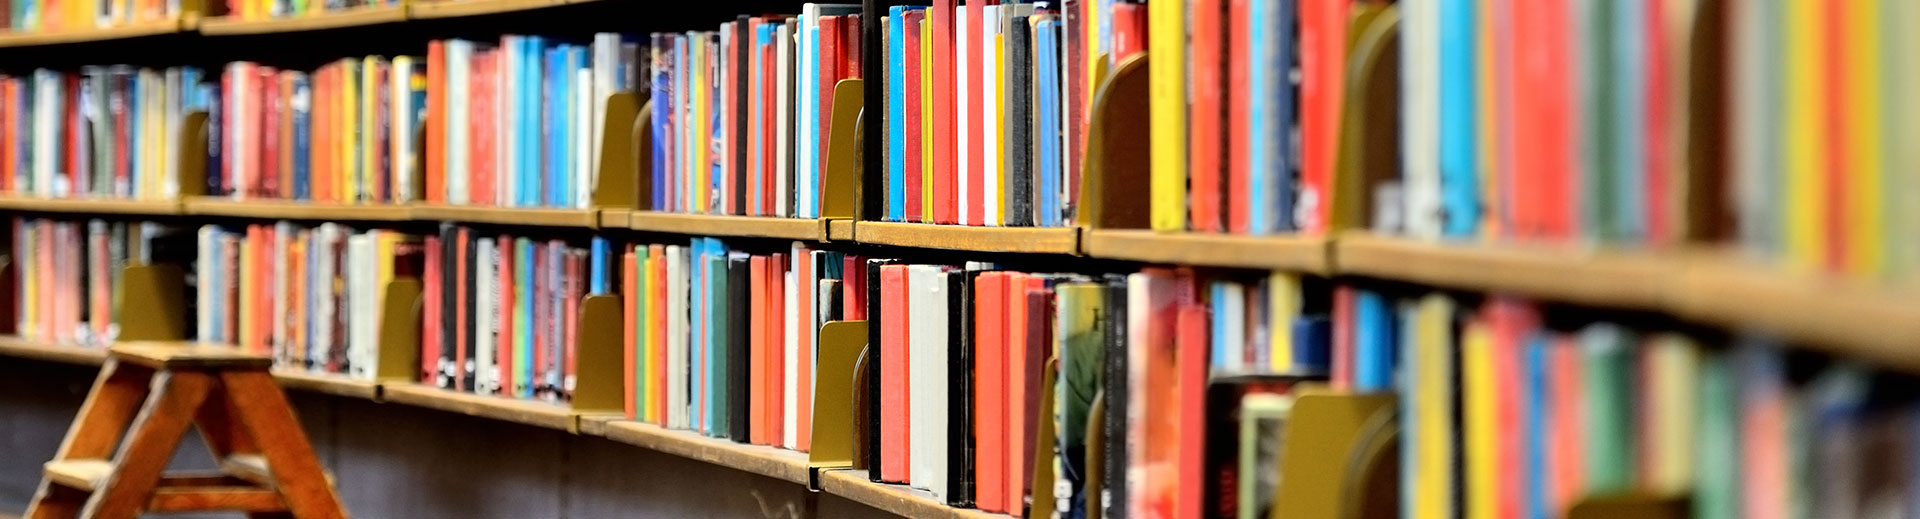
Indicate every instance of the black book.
{"type": "Point", "coordinates": [874, 310]}
{"type": "Point", "coordinates": [471, 251]}
{"type": "Point", "coordinates": [449, 247]}
{"type": "Point", "coordinates": [1018, 106]}
{"type": "Point", "coordinates": [740, 110]}
{"type": "Point", "coordinates": [1113, 480]}
{"type": "Point", "coordinates": [960, 441]}
{"type": "Point", "coordinates": [738, 349]}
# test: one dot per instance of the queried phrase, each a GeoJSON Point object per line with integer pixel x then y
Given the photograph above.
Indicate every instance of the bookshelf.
{"type": "Point", "coordinates": [1599, 278]}
{"type": "Point", "coordinates": [728, 225]}
{"type": "Point", "coordinates": [297, 210]}
{"type": "Point", "coordinates": [781, 464]}
{"type": "Point", "coordinates": [1030, 240]}
{"type": "Point", "coordinates": [357, 17]}
{"type": "Point", "coordinates": [1291, 253]}
{"type": "Point", "coordinates": [537, 414]}
{"type": "Point", "coordinates": [328, 384]}
{"type": "Point", "coordinates": [539, 217]}
{"type": "Point", "coordinates": [90, 206]}
{"type": "Point", "coordinates": [186, 23]}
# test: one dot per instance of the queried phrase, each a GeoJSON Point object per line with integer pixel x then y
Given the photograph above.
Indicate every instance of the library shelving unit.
{"type": "Point", "coordinates": [1872, 323]}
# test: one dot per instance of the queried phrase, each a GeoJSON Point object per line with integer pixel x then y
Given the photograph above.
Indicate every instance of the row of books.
{"type": "Point", "coordinates": [741, 115]}
{"type": "Point", "coordinates": [103, 132]}
{"type": "Point", "coordinates": [251, 10]}
{"type": "Point", "coordinates": [342, 133]}
{"type": "Point", "coordinates": [1507, 415]}
{"type": "Point", "coordinates": [311, 297]}
{"type": "Point", "coordinates": [80, 15]}
{"type": "Point", "coordinates": [502, 312]}
{"type": "Point", "coordinates": [65, 276]}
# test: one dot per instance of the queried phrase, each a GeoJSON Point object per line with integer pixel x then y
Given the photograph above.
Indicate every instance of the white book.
{"type": "Point", "coordinates": [1420, 116]}
{"type": "Point", "coordinates": [459, 70]}
{"type": "Point", "coordinates": [927, 378]}
{"type": "Point", "coordinates": [245, 128]}
{"type": "Point", "coordinates": [46, 124]}
{"type": "Point", "coordinates": [360, 251]}
{"type": "Point", "coordinates": [506, 155]}
{"type": "Point", "coordinates": [606, 55]}
{"type": "Point", "coordinates": [324, 313]}
{"type": "Point", "coordinates": [808, 72]}
{"type": "Point", "coordinates": [583, 148]}
{"type": "Point", "coordinates": [790, 356]}
{"type": "Point", "coordinates": [783, 100]}
{"type": "Point", "coordinates": [1141, 307]}
{"type": "Point", "coordinates": [207, 250]}
{"type": "Point", "coordinates": [173, 140]}
{"type": "Point", "coordinates": [401, 128]}
{"type": "Point", "coordinates": [676, 337]}
{"type": "Point", "coordinates": [486, 298]}
{"type": "Point", "coordinates": [963, 92]}
{"type": "Point", "coordinates": [990, 112]}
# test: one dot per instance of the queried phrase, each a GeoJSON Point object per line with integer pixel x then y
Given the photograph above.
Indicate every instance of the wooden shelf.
{"type": "Point", "coordinates": [894, 499]}
{"type": "Point", "coordinates": [1036, 240]}
{"type": "Point", "coordinates": [1875, 324]}
{"type": "Point", "coordinates": [840, 229]}
{"type": "Point", "coordinates": [12, 346]}
{"type": "Point", "coordinates": [358, 17]}
{"type": "Point", "coordinates": [544, 217]}
{"type": "Point", "coordinates": [728, 225]}
{"type": "Point", "coordinates": [332, 384]}
{"type": "Point", "coordinates": [296, 210]}
{"type": "Point", "coordinates": [527, 412]}
{"type": "Point", "coordinates": [136, 30]}
{"type": "Point", "coordinates": [1624, 280]}
{"type": "Point", "coordinates": [767, 461]}
{"type": "Point", "coordinates": [1294, 253]}
{"type": "Point", "coordinates": [457, 8]}
{"type": "Point", "coordinates": [117, 206]}
{"type": "Point", "coordinates": [615, 218]}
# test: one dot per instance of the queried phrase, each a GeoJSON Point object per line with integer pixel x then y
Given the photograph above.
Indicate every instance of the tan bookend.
{"type": "Point", "coordinates": [833, 422]}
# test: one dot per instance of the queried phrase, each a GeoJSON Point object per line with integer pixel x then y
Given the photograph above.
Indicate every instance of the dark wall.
{"type": "Point", "coordinates": [392, 461]}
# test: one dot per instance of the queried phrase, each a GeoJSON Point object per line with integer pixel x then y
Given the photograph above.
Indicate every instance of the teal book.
{"type": "Point", "coordinates": [1607, 363]}
{"type": "Point", "coordinates": [723, 328]}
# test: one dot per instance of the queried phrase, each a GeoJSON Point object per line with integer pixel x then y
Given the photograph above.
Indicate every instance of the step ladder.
{"type": "Point", "coordinates": [151, 392]}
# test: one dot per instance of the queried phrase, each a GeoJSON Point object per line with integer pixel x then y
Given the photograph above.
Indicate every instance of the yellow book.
{"type": "Point", "coordinates": [1167, 112]}
{"type": "Point", "coordinates": [1486, 98]}
{"type": "Point", "coordinates": [1000, 130]}
{"type": "Point", "coordinates": [346, 122]}
{"type": "Point", "coordinates": [702, 152]}
{"type": "Point", "coordinates": [651, 346]}
{"type": "Point", "coordinates": [1283, 307]}
{"type": "Point", "coordinates": [1671, 362]}
{"type": "Point", "coordinates": [926, 121]}
{"type": "Point", "coordinates": [1432, 408]}
{"type": "Point", "coordinates": [1482, 433]}
{"type": "Point", "coordinates": [1805, 149]}
{"type": "Point", "coordinates": [369, 128]}
{"type": "Point", "coordinates": [1866, 222]}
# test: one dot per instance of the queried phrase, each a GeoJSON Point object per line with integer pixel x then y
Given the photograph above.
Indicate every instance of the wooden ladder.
{"type": "Point", "coordinates": [151, 392]}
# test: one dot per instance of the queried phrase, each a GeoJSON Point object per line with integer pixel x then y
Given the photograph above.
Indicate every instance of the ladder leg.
{"type": "Point", "coordinates": [264, 412]}
{"type": "Point", "coordinates": [156, 431]}
{"type": "Point", "coordinates": [55, 502]}
{"type": "Point", "coordinates": [218, 427]}
{"type": "Point", "coordinates": [117, 394]}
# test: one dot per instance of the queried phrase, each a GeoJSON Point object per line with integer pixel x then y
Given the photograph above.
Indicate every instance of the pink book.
{"type": "Point", "coordinates": [894, 337]}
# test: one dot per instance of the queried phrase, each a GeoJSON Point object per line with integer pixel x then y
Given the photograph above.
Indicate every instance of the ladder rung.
{"type": "Point", "coordinates": [249, 467]}
{"type": "Point", "coordinates": [83, 474]}
{"type": "Point", "coordinates": [249, 499]}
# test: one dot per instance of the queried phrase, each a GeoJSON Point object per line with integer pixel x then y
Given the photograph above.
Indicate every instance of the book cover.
{"type": "Point", "coordinates": [894, 361]}
{"type": "Point", "coordinates": [737, 385]}
{"type": "Point", "coordinates": [1168, 112]}
{"type": "Point", "coordinates": [990, 390]}
{"type": "Point", "coordinates": [959, 391]}
{"type": "Point", "coordinates": [1017, 183]}
{"type": "Point", "coordinates": [1205, 55]}
{"type": "Point", "coordinates": [940, 112]}
{"type": "Point", "coordinates": [758, 375]}
{"type": "Point", "coordinates": [779, 348]}
{"type": "Point", "coordinates": [928, 378]}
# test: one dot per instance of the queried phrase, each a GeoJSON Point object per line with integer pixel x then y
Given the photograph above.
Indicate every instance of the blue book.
{"type": "Point", "coordinates": [1373, 342]}
{"type": "Point", "coordinates": [576, 60]}
{"type": "Point", "coordinates": [1270, 168]}
{"type": "Point", "coordinates": [662, 105]}
{"type": "Point", "coordinates": [597, 266]}
{"type": "Point", "coordinates": [1312, 344]}
{"type": "Point", "coordinates": [702, 331]}
{"type": "Point", "coordinates": [1048, 40]}
{"type": "Point", "coordinates": [527, 138]}
{"type": "Point", "coordinates": [896, 114]}
{"type": "Point", "coordinates": [1217, 317]}
{"type": "Point", "coordinates": [1459, 121]}
{"type": "Point", "coordinates": [302, 133]}
{"type": "Point", "coordinates": [553, 144]}
{"type": "Point", "coordinates": [1630, 187]}
{"type": "Point", "coordinates": [1537, 406]}
{"type": "Point", "coordinates": [523, 318]}
{"type": "Point", "coordinates": [762, 37]}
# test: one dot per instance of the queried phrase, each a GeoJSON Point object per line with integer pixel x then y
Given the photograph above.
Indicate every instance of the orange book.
{"type": "Point", "coordinates": [1190, 342]}
{"type": "Point", "coordinates": [757, 350]}
{"type": "Point", "coordinates": [1016, 383]}
{"type": "Point", "coordinates": [629, 301]}
{"type": "Point", "coordinates": [436, 168]}
{"type": "Point", "coordinates": [1204, 131]}
{"type": "Point", "coordinates": [657, 268]}
{"type": "Point", "coordinates": [894, 456]}
{"type": "Point", "coordinates": [777, 350]}
{"type": "Point", "coordinates": [809, 317]}
{"type": "Point", "coordinates": [320, 140]}
{"type": "Point", "coordinates": [989, 396]}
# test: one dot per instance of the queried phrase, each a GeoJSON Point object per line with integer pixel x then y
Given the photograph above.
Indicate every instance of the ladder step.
{"type": "Point", "coordinates": [81, 474]}
{"type": "Point", "coordinates": [252, 468]}
{"type": "Point", "coordinates": [249, 499]}
{"type": "Point", "coordinates": [187, 355]}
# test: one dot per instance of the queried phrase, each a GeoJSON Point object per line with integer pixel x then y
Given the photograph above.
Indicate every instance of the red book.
{"type": "Point", "coordinates": [914, 111]}
{"type": "Point", "coordinates": [769, 137]}
{"type": "Point", "coordinates": [1129, 30]}
{"type": "Point", "coordinates": [1238, 54]}
{"type": "Point", "coordinates": [854, 294]}
{"type": "Point", "coordinates": [267, 84]}
{"type": "Point", "coordinates": [230, 117]}
{"type": "Point", "coordinates": [7, 141]}
{"type": "Point", "coordinates": [657, 259]}
{"type": "Point", "coordinates": [777, 349]}
{"type": "Point", "coordinates": [541, 314]}
{"type": "Point", "coordinates": [730, 67]}
{"type": "Point", "coordinates": [503, 359]}
{"type": "Point", "coordinates": [480, 127]}
{"type": "Point", "coordinates": [461, 270]}
{"type": "Point", "coordinates": [1558, 161]}
{"type": "Point", "coordinates": [318, 149]}
{"type": "Point", "coordinates": [1204, 97]}
{"type": "Point", "coordinates": [894, 337]}
{"type": "Point", "coordinates": [757, 349]}
{"type": "Point", "coordinates": [75, 125]}
{"type": "Point", "coordinates": [1510, 321]}
{"type": "Point", "coordinates": [976, 134]}
{"type": "Point", "coordinates": [1016, 384]}
{"type": "Point", "coordinates": [803, 289]}
{"type": "Point", "coordinates": [1323, 66]}
{"type": "Point", "coordinates": [1342, 375]}
{"type": "Point", "coordinates": [989, 390]}
{"type": "Point", "coordinates": [436, 162]}
{"type": "Point", "coordinates": [1190, 335]}
{"type": "Point", "coordinates": [575, 289]}
{"type": "Point", "coordinates": [941, 16]}
{"type": "Point", "coordinates": [1079, 93]}
{"type": "Point", "coordinates": [831, 28]}
{"type": "Point", "coordinates": [1660, 205]}
{"type": "Point", "coordinates": [850, 48]}
{"type": "Point", "coordinates": [629, 324]}
{"type": "Point", "coordinates": [1839, 163]}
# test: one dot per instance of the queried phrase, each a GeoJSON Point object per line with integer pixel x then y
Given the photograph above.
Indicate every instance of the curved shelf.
{"type": "Point", "coordinates": [1295, 253]}
{"type": "Point", "coordinates": [1869, 323]}
{"type": "Point", "coordinates": [185, 23]}
{"type": "Point", "coordinates": [1031, 240]}
{"type": "Point", "coordinates": [1626, 280]}
{"type": "Point", "coordinates": [357, 17]}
